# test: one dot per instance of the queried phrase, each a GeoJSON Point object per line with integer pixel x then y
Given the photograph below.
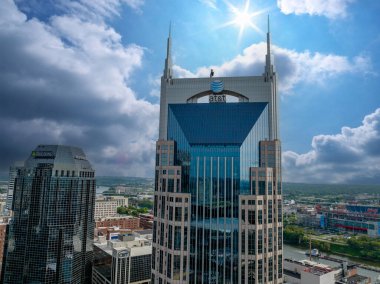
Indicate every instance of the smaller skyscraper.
{"type": "Point", "coordinates": [126, 260]}
{"type": "Point", "coordinates": [11, 183]}
{"type": "Point", "coordinates": [51, 235]}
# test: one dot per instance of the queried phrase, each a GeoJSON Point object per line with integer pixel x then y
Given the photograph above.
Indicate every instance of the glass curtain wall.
{"type": "Point", "coordinates": [216, 146]}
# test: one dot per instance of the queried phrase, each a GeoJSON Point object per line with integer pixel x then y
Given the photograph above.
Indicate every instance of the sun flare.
{"type": "Point", "coordinates": [243, 18]}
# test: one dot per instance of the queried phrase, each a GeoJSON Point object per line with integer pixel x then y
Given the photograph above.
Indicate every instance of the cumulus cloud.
{"type": "Point", "coordinates": [180, 72]}
{"type": "Point", "coordinates": [352, 156]}
{"type": "Point", "coordinates": [94, 10]}
{"type": "Point", "coordinates": [332, 9]}
{"type": "Point", "coordinates": [66, 81]}
{"type": "Point", "coordinates": [155, 84]}
{"type": "Point", "coordinates": [135, 4]}
{"type": "Point", "coordinates": [293, 67]}
{"type": "Point", "coordinates": [209, 3]}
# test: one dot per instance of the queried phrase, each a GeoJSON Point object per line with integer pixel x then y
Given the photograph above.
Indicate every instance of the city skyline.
{"type": "Point", "coordinates": [87, 75]}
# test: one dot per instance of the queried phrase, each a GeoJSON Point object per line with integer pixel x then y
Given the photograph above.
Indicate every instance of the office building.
{"type": "Point", "coordinates": [11, 182]}
{"type": "Point", "coordinates": [218, 202]}
{"type": "Point", "coordinates": [125, 260]}
{"type": "Point", "coordinates": [51, 235]}
{"type": "Point", "coordinates": [107, 206]}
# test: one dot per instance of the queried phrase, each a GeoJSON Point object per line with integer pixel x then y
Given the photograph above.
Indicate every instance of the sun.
{"type": "Point", "coordinates": [243, 18]}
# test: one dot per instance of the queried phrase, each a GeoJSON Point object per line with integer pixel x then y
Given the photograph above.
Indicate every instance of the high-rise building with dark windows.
{"type": "Point", "coordinates": [51, 235]}
{"type": "Point", "coordinates": [218, 202]}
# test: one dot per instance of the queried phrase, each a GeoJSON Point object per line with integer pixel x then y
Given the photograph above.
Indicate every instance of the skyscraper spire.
{"type": "Point", "coordinates": [268, 61]}
{"type": "Point", "coordinates": [270, 77]}
{"type": "Point", "coordinates": [170, 29]}
{"type": "Point", "coordinates": [168, 60]}
{"type": "Point", "coordinates": [268, 37]}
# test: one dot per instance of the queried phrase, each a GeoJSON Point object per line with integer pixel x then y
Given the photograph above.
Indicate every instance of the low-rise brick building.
{"type": "Point", "coordinates": [146, 221]}
{"type": "Point", "coordinates": [123, 222]}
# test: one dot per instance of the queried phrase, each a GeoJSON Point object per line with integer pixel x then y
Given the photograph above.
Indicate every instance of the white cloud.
{"type": "Point", "coordinates": [155, 84]}
{"type": "Point", "coordinates": [209, 3]}
{"type": "Point", "coordinates": [98, 9]}
{"type": "Point", "coordinates": [67, 81]}
{"type": "Point", "coordinates": [329, 8]}
{"type": "Point", "coordinates": [135, 4]}
{"type": "Point", "coordinates": [293, 67]}
{"type": "Point", "coordinates": [352, 156]}
{"type": "Point", "coordinates": [9, 14]}
{"type": "Point", "coordinates": [180, 72]}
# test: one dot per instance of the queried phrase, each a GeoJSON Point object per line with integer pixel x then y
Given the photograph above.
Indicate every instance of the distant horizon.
{"type": "Point", "coordinates": [5, 178]}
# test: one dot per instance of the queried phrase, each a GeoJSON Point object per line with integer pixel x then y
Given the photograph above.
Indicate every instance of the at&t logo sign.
{"type": "Point", "coordinates": [217, 87]}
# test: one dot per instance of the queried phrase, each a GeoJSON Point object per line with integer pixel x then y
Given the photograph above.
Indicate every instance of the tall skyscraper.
{"type": "Point", "coordinates": [51, 234]}
{"type": "Point", "coordinates": [11, 184]}
{"type": "Point", "coordinates": [218, 203]}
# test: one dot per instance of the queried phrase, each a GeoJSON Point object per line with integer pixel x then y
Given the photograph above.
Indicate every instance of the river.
{"type": "Point", "coordinates": [299, 254]}
{"type": "Point", "coordinates": [100, 189]}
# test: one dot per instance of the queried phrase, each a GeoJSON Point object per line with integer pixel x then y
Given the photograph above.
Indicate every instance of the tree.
{"type": "Point", "coordinates": [145, 203]}
{"type": "Point", "coordinates": [294, 235]}
{"type": "Point", "coordinates": [131, 210]}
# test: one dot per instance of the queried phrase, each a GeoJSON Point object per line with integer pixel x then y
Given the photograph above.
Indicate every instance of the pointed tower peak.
{"type": "Point", "coordinates": [269, 65]}
{"type": "Point", "coordinates": [268, 38]}
{"type": "Point", "coordinates": [168, 59]}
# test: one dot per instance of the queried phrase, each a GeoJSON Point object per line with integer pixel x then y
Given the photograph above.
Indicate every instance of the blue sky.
{"type": "Point", "coordinates": [87, 73]}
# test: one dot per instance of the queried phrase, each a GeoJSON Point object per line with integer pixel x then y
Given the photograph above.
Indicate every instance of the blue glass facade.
{"type": "Point", "coordinates": [216, 146]}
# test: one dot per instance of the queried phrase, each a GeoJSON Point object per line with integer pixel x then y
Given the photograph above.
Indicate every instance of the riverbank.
{"type": "Point", "coordinates": [359, 247]}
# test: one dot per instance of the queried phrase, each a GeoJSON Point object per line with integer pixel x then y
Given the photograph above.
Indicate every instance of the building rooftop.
{"type": "Point", "coordinates": [61, 156]}
{"type": "Point", "coordinates": [354, 279]}
{"type": "Point", "coordinates": [312, 266]}
{"type": "Point", "coordinates": [146, 215]}
{"type": "Point", "coordinates": [137, 250]}
{"type": "Point", "coordinates": [137, 246]}
{"type": "Point", "coordinates": [104, 247]}
{"type": "Point", "coordinates": [116, 216]}
{"type": "Point", "coordinates": [318, 270]}
{"type": "Point", "coordinates": [144, 232]}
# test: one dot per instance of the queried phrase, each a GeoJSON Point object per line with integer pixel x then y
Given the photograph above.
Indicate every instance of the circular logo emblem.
{"type": "Point", "coordinates": [217, 86]}
{"type": "Point", "coordinates": [123, 253]}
